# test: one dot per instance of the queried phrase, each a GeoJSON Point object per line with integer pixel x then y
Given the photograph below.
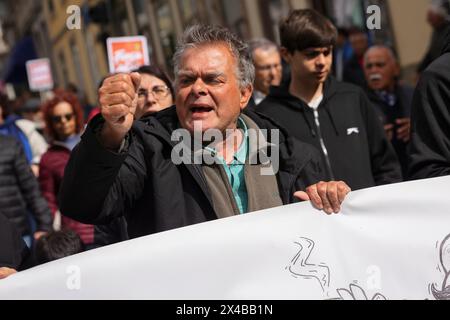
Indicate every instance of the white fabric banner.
{"type": "Point", "coordinates": [390, 242]}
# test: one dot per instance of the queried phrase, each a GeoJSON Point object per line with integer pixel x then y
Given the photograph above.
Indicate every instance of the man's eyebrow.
{"type": "Point", "coordinates": [186, 73]}
{"type": "Point", "coordinates": [214, 74]}
{"type": "Point", "coordinates": [208, 74]}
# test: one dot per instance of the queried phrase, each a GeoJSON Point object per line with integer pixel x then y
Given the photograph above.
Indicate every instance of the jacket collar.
{"type": "Point", "coordinates": [282, 92]}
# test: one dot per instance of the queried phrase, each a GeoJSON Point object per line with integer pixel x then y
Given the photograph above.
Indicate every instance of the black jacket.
{"type": "Point", "coordinates": [19, 189]}
{"type": "Point", "coordinates": [13, 251]}
{"type": "Point", "coordinates": [389, 114]}
{"type": "Point", "coordinates": [151, 191]}
{"type": "Point", "coordinates": [358, 150]}
{"type": "Point", "coordinates": [430, 144]}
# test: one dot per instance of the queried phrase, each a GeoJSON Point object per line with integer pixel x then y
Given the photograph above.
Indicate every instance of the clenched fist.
{"type": "Point", "coordinates": [118, 100]}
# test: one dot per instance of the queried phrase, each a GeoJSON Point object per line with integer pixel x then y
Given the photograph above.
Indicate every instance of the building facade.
{"type": "Point", "coordinates": [79, 56]}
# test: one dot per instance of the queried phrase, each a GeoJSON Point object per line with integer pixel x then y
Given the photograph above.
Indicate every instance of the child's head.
{"type": "Point", "coordinates": [57, 245]}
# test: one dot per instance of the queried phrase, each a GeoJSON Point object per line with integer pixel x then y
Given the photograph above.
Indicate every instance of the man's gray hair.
{"type": "Point", "coordinates": [198, 35]}
{"type": "Point", "coordinates": [262, 44]}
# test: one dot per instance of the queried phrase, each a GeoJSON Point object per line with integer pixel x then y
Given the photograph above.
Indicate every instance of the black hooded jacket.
{"type": "Point", "coordinates": [143, 184]}
{"type": "Point", "coordinates": [430, 141]}
{"type": "Point", "coordinates": [358, 150]}
{"type": "Point", "coordinates": [19, 189]}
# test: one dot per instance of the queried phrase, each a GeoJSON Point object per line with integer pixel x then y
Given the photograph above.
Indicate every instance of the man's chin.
{"type": "Point", "coordinates": [199, 126]}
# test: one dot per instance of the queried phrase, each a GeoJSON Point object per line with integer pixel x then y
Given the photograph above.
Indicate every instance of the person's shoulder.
{"type": "Point", "coordinates": [167, 117]}
{"type": "Point", "coordinates": [8, 141]}
{"type": "Point", "coordinates": [438, 68]}
{"type": "Point", "coordinates": [155, 131]}
{"type": "Point", "coordinates": [341, 87]}
{"type": "Point", "coordinates": [339, 94]}
{"type": "Point", "coordinates": [26, 126]}
{"type": "Point", "coordinates": [55, 150]}
{"type": "Point", "coordinates": [263, 120]}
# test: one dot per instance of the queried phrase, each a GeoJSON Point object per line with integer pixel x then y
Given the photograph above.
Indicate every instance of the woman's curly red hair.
{"type": "Point", "coordinates": [62, 96]}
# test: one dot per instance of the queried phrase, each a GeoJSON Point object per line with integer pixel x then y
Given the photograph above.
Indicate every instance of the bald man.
{"type": "Point", "coordinates": [391, 99]}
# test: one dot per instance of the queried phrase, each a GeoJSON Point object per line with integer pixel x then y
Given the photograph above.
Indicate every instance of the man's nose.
{"type": "Point", "coordinates": [320, 61]}
{"type": "Point", "coordinates": [273, 71]}
{"type": "Point", "coordinates": [151, 99]}
{"type": "Point", "coordinates": [199, 88]}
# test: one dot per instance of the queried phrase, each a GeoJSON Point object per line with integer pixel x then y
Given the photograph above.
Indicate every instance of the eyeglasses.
{"type": "Point", "coordinates": [269, 67]}
{"type": "Point", "coordinates": [159, 92]}
{"type": "Point", "coordinates": [58, 119]}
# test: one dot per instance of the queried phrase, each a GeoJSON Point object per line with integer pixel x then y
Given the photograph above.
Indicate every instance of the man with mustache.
{"type": "Point", "coordinates": [336, 118]}
{"type": "Point", "coordinates": [392, 99]}
{"type": "Point", "coordinates": [124, 167]}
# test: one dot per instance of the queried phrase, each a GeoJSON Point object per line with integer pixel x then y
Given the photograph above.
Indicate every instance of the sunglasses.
{"type": "Point", "coordinates": [58, 119]}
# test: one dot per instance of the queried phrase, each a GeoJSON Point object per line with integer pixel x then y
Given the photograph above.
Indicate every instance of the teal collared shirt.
{"type": "Point", "coordinates": [236, 170]}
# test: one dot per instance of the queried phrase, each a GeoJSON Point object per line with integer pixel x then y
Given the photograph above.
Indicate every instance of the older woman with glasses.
{"type": "Point", "coordinates": [64, 122]}
{"type": "Point", "coordinates": [155, 92]}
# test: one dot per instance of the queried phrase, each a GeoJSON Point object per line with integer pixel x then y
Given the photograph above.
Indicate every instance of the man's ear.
{"type": "Point", "coordinates": [246, 94]}
{"type": "Point", "coordinates": [286, 55]}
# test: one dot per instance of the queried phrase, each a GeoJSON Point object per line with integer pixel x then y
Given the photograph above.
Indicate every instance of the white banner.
{"type": "Point", "coordinates": [390, 242]}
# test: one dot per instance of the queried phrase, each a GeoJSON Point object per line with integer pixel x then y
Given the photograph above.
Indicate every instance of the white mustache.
{"type": "Point", "coordinates": [375, 76]}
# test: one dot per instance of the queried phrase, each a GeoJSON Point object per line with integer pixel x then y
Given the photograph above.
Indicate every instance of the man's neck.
{"type": "Point", "coordinates": [230, 146]}
{"type": "Point", "coordinates": [306, 91]}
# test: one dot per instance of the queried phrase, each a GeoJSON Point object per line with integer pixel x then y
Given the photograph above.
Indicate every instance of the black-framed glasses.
{"type": "Point", "coordinates": [159, 92]}
{"type": "Point", "coordinates": [58, 119]}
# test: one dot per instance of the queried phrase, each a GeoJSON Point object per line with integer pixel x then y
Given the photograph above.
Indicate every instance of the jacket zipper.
{"type": "Point", "coordinates": [322, 144]}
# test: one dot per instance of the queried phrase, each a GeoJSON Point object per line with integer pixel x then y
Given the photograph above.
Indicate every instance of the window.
{"type": "Point", "coordinates": [272, 11]}
{"type": "Point", "coordinates": [63, 69]}
{"type": "Point", "coordinates": [143, 24]}
{"type": "Point", "coordinates": [165, 29]}
{"type": "Point", "coordinates": [352, 13]}
{"type": "Point", "coordinates": [51, 7]}
{"type": "Point", "coordinates": [75, 52]}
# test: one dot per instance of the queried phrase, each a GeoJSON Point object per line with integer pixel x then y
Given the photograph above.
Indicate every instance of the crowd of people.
{"type": "Point", "coordinates": [343, 121]}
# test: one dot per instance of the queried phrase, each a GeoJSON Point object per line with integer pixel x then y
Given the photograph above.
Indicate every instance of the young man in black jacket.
{"type": "Point", "coordinates": [132, 168]}
{"type": "Point", "coordinates": [336, 118]}
{"type": "Point", "coordinates": [430, 142]}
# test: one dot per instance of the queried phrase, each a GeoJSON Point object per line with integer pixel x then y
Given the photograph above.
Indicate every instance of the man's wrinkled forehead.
{"type": "Point", "coordinates": [211, 55]}
{"type": "Point", "coordinates": [379, 55]}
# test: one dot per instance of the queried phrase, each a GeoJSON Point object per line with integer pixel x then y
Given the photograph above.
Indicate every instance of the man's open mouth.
{"type": "Point", "coordinates": [201, 109]}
